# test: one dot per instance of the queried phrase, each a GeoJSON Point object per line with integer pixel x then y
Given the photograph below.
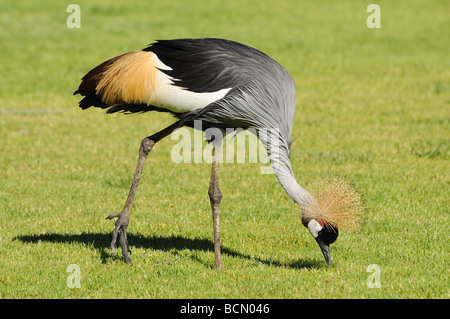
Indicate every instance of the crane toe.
{"type": "Point", "coordinates": [121, 227]}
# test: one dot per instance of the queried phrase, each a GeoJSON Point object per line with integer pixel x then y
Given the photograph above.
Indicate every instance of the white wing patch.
{"type": "Point", "coordinates": [177, 99]}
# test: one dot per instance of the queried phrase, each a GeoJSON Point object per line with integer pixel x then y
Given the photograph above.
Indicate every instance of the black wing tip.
{"type": "Point", "coordinates": [135, 108]}
{"type": "Point", "coordinates": [91, 100]}
{"type": "Point", "coordinates": [84, 105]}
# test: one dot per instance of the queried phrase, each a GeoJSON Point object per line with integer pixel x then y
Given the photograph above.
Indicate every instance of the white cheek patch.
{"type": "Point", "coordinates": [314, 227]}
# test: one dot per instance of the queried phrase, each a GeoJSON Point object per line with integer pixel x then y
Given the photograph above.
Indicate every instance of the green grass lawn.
{"type": "Point", "coordinates": [372, 105]}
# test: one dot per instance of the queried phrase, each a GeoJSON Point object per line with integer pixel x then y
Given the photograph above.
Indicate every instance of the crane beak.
{"type": "Point", "coordinates": [325, 249]}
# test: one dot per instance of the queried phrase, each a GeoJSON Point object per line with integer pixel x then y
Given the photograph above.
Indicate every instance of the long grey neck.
{"type": "Point", "coordinates": [285, 176]}
{"type": "Point", "coordinates": [281, 164]}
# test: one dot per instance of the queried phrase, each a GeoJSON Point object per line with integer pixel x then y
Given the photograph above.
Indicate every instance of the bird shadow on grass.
{"type": "Point", "coordinates": [101, 242]}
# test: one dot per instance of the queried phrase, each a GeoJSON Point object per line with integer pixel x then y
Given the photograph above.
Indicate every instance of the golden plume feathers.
{"type": "Point", "coordinates": [337, 203]}
{"type": "Point", "coordinates": [131, 78]}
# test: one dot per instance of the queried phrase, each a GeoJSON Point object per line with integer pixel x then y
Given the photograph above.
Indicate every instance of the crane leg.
{"type": "Point", "coordinates": [215, 197]}
{"type": "Point", "coordinates": [124, 216]}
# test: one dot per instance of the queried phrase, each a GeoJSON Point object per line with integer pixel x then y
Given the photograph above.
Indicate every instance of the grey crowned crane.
{"type": "Point", "coordinates": [223, 84]}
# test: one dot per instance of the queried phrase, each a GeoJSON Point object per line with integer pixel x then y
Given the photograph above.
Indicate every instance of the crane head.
{"type": "Point", "coordinates": [336, 204]}
{"type": "Point", "coordinates": [323, 234]}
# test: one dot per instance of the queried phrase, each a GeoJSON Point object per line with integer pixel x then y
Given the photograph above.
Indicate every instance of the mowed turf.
{"type": "Point", "coordinates": [372, 105]}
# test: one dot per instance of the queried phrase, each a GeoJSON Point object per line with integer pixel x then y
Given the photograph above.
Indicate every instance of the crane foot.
{"type": "Point", "coordinates": [121, 226]}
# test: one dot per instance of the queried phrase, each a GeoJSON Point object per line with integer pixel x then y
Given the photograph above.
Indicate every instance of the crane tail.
{"type": "Point", "coordinates": [125, 83]}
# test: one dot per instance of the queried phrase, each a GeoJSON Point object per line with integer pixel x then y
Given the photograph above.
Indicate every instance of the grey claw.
{"type": "Point", "coordinates": [120, 226]}
{"type": "Point", "coordinates": [112, 216]}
